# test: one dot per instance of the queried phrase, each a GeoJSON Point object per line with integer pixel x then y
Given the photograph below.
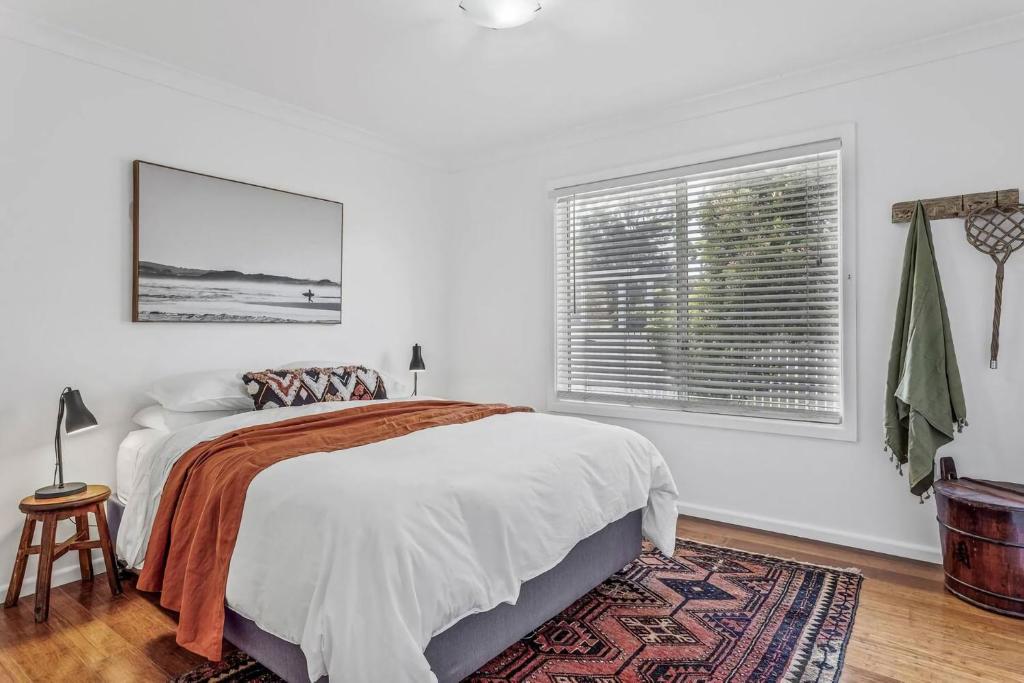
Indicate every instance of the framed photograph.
{"type": "Point", "coordinates": [208, 249]}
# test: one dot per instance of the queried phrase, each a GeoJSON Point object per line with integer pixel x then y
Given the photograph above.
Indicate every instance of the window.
{"type": "Point", "coordinates": [713, 288]}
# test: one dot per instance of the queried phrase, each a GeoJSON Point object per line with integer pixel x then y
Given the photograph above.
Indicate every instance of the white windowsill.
{"type": "Point", "coordinates": [815, 430]}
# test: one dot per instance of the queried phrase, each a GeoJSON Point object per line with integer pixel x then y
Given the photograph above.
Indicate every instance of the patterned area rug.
{"type": "Point", "coordinates": [237, 667]}
{"type": "Point", "coordinates": [707, 615]}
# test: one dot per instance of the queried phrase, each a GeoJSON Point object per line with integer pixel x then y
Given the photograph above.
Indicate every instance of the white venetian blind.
{"type": "Point", "coordinates": [711, 288]}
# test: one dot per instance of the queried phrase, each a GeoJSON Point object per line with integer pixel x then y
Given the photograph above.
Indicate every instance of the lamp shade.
{"type": "Point", "coordinates": [416, 364]}
{"type": "Point", "coordinates": [76, 417]}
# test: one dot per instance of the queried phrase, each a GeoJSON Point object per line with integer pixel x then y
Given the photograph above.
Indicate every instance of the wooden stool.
{"type": "Point", "coordinates": [50, 511]}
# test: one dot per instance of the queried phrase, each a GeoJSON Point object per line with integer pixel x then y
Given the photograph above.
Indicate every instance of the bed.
{"type": "Point", "coordinates": [469, 537]}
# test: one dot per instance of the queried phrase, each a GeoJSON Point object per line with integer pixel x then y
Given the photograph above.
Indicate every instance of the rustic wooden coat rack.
{"type": "Point", "coordinates": [956, 206]}
{"type": "Point", "coordinates": [994, 226]}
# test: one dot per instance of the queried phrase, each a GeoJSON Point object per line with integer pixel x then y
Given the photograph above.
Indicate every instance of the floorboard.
{"type": "Point", "coordinates": [908, 629]}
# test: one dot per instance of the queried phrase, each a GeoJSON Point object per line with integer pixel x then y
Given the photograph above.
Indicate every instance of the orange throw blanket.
{"type": "Point", "coordinates": [200, 511]}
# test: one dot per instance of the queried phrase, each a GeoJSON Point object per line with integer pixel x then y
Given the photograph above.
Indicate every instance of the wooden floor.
{"type": "Point", "coordinates": [907, 627]}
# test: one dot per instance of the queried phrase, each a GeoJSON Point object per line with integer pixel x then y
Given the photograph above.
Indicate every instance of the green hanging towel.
{"type": "Point", "coordinates": [924, 398]}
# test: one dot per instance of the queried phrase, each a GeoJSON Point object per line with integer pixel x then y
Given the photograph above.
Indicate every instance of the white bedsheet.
{"type": "Point", "coordinates": [361, 556]}
{"type": "Point", "coordinates": [129, 453]}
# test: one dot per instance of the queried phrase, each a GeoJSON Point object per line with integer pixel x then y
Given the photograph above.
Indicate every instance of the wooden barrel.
{"type": "Point", "coordinates": [981, 524]}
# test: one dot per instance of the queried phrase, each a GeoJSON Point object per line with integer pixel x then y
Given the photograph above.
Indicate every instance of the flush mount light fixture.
{"type": "Point", "coordinates": [500, 13]}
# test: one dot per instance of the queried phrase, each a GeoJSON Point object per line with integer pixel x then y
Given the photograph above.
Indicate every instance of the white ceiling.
{"type": "Point", "coordinates": [419, 74]}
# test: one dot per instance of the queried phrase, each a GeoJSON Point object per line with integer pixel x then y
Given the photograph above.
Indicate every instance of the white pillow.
{"type": "Point", "coordinates": [395, 386]}
{"type": "Point", "coordinates": [201, 391]}
{"type": "Point", "coordinates": [158, 417]}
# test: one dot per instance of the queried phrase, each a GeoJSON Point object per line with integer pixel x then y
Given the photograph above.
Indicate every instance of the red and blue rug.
{"type": "Point", "coordinates": [706, 615]}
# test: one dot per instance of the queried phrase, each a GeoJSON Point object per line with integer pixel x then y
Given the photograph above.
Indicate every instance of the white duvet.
{"type": "Point", "coordinates": [361, 556]}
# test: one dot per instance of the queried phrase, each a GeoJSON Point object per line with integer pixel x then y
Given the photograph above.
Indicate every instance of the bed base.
{"type": "Point", "coordinates": [470, 643]}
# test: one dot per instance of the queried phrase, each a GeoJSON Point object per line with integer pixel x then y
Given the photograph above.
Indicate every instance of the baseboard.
{"type": "Point", "coordinates": [61, 576]}
{"type": "Point", "coordinates": [876, 544]}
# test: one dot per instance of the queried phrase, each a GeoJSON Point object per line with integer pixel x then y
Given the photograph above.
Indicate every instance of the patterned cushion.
{"type": "Point", "coordinates": [302, 386]}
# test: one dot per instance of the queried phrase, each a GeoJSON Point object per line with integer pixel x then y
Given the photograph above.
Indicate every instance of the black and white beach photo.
{"type": "Point", "coordinates": [216, 250]}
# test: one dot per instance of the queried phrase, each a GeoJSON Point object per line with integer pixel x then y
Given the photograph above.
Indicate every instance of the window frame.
{"type": "Point", "coordinates": [846, 429]}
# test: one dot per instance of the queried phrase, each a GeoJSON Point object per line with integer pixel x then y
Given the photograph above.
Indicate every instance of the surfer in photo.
{"type": "Point", "coordinates": [309, 295]}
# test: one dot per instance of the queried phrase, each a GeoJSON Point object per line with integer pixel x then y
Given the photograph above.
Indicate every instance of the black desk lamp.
{"type": "Point", "coordinates": [416, 366]}
{"type": "Point", "coordinates": [78, 419]}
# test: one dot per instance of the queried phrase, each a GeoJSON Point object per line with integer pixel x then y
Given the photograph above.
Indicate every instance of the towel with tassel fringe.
{"type": "Point", "coordinates": [924, 397]}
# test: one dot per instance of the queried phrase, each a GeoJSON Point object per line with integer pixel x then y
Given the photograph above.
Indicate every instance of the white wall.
{"type": "Point", "coordinates": [920, 133]}
{"type": "Point", "coordinates": [68, 133]}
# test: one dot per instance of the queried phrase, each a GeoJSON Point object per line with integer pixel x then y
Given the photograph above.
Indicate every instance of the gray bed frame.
{"type": "Point", "coordinates": [470, 643]}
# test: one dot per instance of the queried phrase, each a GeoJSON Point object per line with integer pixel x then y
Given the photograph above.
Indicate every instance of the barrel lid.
{"type": "Point", "coordinates": [1001, 494]}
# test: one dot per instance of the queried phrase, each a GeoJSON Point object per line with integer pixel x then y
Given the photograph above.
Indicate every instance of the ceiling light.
{"type": "Point", "coordinates": [500, 13]}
